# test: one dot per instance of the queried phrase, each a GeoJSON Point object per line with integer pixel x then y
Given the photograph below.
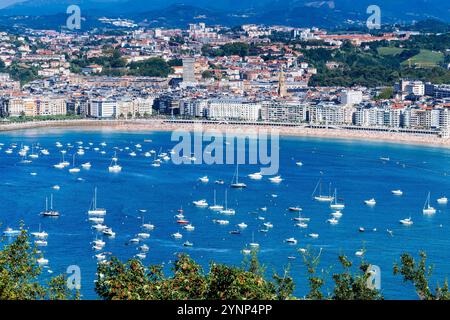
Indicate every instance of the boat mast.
{"type": "Point", "coordinates": [226, 200]}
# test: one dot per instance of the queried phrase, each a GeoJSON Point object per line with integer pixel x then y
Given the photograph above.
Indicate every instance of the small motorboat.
{"type": "Point", "coordinates": [177, 235]}
{"type": "Point", "coordinates": [291, 241]}
{"type": "Point", "coordinates": [406, 222]}
{"type": "Point", "coordinates": [189, 227]}
{"type": "Point", "coordinates": [188, 244]}
{"type": "Point", "coordinates": [370, 202]}
{"type": "Point", "coordinates": [443, 200]}
{"type": "Point", "coordinates": [276, 179]}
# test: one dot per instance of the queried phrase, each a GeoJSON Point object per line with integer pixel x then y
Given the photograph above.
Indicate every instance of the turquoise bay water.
{"type": "Point", "coordinates": [354, 168]}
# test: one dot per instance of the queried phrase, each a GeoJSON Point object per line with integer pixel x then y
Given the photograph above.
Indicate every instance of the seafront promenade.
{"type": "Point", "coordinates": [403, 136]}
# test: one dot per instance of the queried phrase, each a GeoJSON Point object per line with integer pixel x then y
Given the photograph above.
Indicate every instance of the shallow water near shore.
{"type": "Point", "coordinates": [354, 167]}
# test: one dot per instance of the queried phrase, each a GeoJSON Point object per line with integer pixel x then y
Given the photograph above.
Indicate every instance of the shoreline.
{"type": "Point", "coordinates": [288, 131]}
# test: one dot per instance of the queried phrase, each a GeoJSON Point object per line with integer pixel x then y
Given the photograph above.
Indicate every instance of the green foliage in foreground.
{"type": "Point", "coordinates": [19, 273]}
{"type": "Point", "coordinates": [21, 279]}
{"type": "Point", "coordinates": [419, 275]}
{"type": "Point", "coordinates": [131, 280]}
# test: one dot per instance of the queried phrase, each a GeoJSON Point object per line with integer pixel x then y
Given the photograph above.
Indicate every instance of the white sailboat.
{"type": "Point", "coordinates": [236, 184]}
{"type": "Point", "coordinates": [427, 208]}
{"type": "Point", "coordinates": [114, 167]}
{"type": "Point", "coordinates": [74, 169]}
{"type": "Point", "coordinates": [40, 234]}
{"type": "Point", "coordinates": [227, 211]}
{"type": "Point", "coordinates": [94, 211]}
{"type": "Point", "coordinates": [215, 207]}
{"type": "Point", "coordinates": [320, 197]}
{"type": "Point", "coordinates": [33, 155]}
{"type": "Point", "coordinates": [253, 244]}
{"type": "Point", "coordinates": [335, 205]}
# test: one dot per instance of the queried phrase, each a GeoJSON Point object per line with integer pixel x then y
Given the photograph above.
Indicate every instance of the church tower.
{"type": "Point", "coordinates": [282, 91]}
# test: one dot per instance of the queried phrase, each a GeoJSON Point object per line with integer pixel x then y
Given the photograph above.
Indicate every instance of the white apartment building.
{"type": "Point", "coordinates": [351, 97]}
{"type": "Point", "coordinates": [143, 106]}
{"type": "Point", "coordinates": [416, 88]}
{"type": "Point", "coordinates": [284, 112]}
{"type": "Point", "coordinates": [49, 106]}
{"type": "Point", "coordinates": [103, 108]}
{"type": "Point", "coordinates": [330, 114]}
{"type": "Point", "coordinates": [222, 109]}
{"type": "Point", "coordinates": [417, 118]}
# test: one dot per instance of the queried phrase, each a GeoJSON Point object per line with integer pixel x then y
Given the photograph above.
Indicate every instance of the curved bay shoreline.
{"type": "Point", "coordinates": [289, 131]}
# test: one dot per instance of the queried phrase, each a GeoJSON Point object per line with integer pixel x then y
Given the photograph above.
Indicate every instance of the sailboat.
{"type": "Point", "coordinates": [253, 244]}
{"type": "Point", "coordinates": [64, 163]}
{"type": "Point", "coordinates": [228, 212]}
{"type": "Point", "coordinates": [320, 197]}
{"type": "Point", "coordinates": [335, 205]}
{"type": "Point", "coordinates": [33, 155]}
{"type": "Point", "coordinates": [51, 212]}
{"type": "Point", "coordinates": [114, 167]}
{"type": "Point", "coordinates": [94, 211]}
{"type": "Point", "coordinates": [216, 207]}
{"type": "Point", "coordinates": [427, 208]}
{"type": "Point", "coordinates": [74, 169]}
{"type": "Point", "coordinates": [236, 184]}
{"type": "Point", "coordinates": [40, 234]}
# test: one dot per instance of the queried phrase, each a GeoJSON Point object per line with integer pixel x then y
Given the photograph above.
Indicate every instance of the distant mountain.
{"type": "Point", "coordinates": [231, 12]}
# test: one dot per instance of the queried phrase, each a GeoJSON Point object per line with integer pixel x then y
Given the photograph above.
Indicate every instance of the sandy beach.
{"type": "Point", "coordinates": [162, 125]}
